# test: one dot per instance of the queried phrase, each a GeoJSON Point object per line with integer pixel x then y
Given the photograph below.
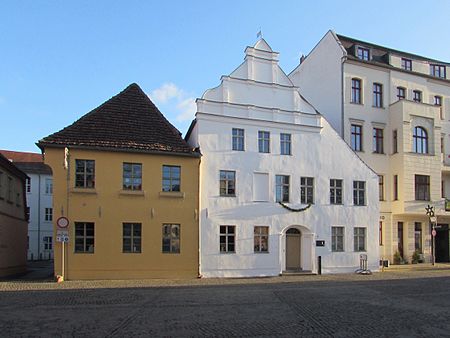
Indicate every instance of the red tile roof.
{"type": "Point", "coordinates": [19, 156]}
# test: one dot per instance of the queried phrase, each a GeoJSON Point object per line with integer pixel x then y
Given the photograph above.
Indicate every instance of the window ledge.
{"type": "Point", "coordinates": [357, 103]}
{"type": "Point", "coordinates": [84, 191]}
{"type": "Point", "coordinates": [377, 153]}
{"type": "Point", "coordinates": [132, 192]}
{"type": "Point", "coordinates": [227, 195]}
{"type": "Point", "coordinates": [171, 194]}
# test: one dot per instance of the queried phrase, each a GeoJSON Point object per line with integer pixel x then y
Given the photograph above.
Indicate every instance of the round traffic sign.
{"type": "Point", "coordinates": [62, 222]}
{"type": "Point", "coordinates": [433, 233]}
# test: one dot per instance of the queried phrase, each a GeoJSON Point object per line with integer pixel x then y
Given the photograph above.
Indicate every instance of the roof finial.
{"type": "Point", "coordinates": [259, 34]}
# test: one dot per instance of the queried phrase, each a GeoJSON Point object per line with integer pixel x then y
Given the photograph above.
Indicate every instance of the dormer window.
{"type": "Point", "coordinates": [438, 71]}
{"type": "Point", "coordinates": [362, 53]}
{"type": "Point", "coordinates": [406, 64]}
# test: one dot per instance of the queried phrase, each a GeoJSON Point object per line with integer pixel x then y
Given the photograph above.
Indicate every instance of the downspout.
{"type": "Point", "coordinates": [39, 218]}
{"type": "Point", "coordinates": [199, 217]}
{"type": "Point", "coordinates": [343, 59]}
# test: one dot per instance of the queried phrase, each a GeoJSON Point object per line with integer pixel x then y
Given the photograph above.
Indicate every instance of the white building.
{"type": "Point", "coordinates": [262, 143]}
{"type": "Point", "coordinates": [393, 109]}
{"type": "Point", "coordinates": [39, 194]}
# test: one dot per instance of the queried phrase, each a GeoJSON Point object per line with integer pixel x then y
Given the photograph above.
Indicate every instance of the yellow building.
{"type": "Point", "coordinates": [128, 184]}
{"type": "Point", "coordinates": [13, 219]}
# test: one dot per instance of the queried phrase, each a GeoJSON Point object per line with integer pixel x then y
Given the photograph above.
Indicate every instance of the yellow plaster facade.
{"type": "Point", "coordinates": [108, 206]}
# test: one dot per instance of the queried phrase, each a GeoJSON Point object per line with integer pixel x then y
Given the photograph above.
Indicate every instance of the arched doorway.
{"type": "Point", "coordinates": [293, 249]}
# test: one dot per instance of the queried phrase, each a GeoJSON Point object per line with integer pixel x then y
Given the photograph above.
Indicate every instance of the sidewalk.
{"type": "Point", "coordinates": [418, 267]}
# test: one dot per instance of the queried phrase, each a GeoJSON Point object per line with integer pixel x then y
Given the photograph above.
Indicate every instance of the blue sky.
{"type": "Point", "coordinates": [61, 59]}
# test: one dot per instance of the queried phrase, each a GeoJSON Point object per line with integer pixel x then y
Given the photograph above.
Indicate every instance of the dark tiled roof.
{"type": "Point", "coordinates": [8, 165]}
{"type": "Point", "coordinates": [380, 51]}
{"type": "Point", "coordinates": [34, 168]}
{"type": "Point", "coordinates": [128, 121]}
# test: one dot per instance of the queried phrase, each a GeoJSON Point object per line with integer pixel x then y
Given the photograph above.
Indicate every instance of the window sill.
{"type": "Point", "coordinates": [132, 192]}
{"type": "Point", "coordinates": [227, 253]}
{"type": "Point", "coordinates": [377, 153]}
{"type": "Point", "coordinates": [84, 191]}
{"type": "Point", "coordinates": [171, 194]}
{"type": "Point", "coordinates": [357, 103]}
{"type": "Point", "coordinates": [227, 195]}
{"type": "Point", "coordinates": [261, 252]}
{"type": "Point", "coordinates": [377, 107]}
{"type": "Point", "coordinates": [360, 205]}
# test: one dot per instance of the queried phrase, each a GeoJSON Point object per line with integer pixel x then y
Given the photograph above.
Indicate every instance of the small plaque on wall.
{"type": "Point", "coordinates": [320, 243]}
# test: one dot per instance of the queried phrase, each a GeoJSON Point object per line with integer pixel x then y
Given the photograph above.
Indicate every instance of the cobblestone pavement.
{"type": "Point", "coordinates": [389, 304]}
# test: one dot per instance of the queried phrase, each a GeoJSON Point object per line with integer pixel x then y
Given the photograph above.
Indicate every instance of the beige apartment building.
{"type": "Point", "coordinates": [393, 109]}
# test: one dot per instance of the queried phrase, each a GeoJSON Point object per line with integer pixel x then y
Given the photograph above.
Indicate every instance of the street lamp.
{"type": "Point", "coordinates": [433, 221]}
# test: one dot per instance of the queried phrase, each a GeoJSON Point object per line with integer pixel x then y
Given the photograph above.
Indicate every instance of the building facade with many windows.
{"type": "Point", "coordinates": [39, 194]}
{"type": "Point", "coordinates": [279, 187]}
{"type": "Point", "coordinates": [393, 109]}
{"type": "Point", "coordinates": [128, 184]}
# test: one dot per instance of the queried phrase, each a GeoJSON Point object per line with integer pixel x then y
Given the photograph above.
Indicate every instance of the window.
{"type": "Point", "coordinates": [380, 233]}
{"type": "Point", "coordinates": [438, 102]}
{"type": "Point", "coordinates": [48, 243]}
{"type": "Point", "coordinates": [227, 238]}
{"type": "Point", "coordinates": [356, 137]}
{"type": "Point", "coordinates": [238, 139]}
{"type": "Point", "coordinates": [417, 96]}
{"type": "Point", "coordinates": [377, 95]}
{"type": "Point", "coordinates": [84, 173]}
{"type": "Point", "coordinates": [442, 189]}
{"type": "Point", "coordinates": [442, 144]}
{"type": "Point", "coordinates": [381, 187]}
{"type": "Point", "coordinates": [48, 186]}
{"type": "Point", "coordinates": [359, 239]}
{"type": "Point", "coordinates": [171, 238]}
{"type": "Point", "coordinates": [438, 71]}
{"type": "Point", "coordinates": [418, 236]}
{"type": "Point", "coordinates": [335, 191]}
{"type": "Point", "coordinates": [359, 192]}
{"type": "Point", "coordinates": [401, 93]}
{"type": "Point", "coordinates": [48, 214]}
{"type": "Point", "coordinates": [261, 187]}
{"type": "Point", "coordinates": [307, 190]}
{"type": "Point", "coordinates": [171, 176]}
{"type": "Point", "coordinates": [378, 141]}
{"type": "Point", "coordinates": [420, 141]}
{"type": "Point", "coordinates": [422, 185]}
{"type": "Point", "coordinates": [356, 91]}
{"type": "Point", "coordinates": [285, 144]}
{"type": "Point", "coordinates": [132, 176]}
{"type": "Point", "coordinates": [28, 185]}
{"type": "Point", "coordinates": [394, 141]}
{"type": "Point", "coordinates": [261, 239]}
{"type": "Point", "coordinates": [406, 64]}
{"type": "Point", "coordinates": [131, 241]}
{"type": "Point", "coordinates": [84, 237]}
{"type": "Point", "coordinates": [337, 239]}
{"type": "Point", "coordinates": [9, 191]}
{"type": "Point", "coordinates": [264, 141]}
{"type": "Point", "coordinates": [227, 183]}
{"type": "Point", "coordinates": [395, 187]}
{"type": "Point", "coordinates": [18, 195]}
{"type": "Point", "coordinates": [282, 188]}
{"type": "Point", "coordinates": [362, 53]}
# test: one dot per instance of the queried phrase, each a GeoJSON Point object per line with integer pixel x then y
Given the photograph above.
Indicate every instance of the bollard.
{"type": "Point", "coordinates": [319, 265]}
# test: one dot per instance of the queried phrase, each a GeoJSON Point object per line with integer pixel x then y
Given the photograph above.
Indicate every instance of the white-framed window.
{"type": "Point", "coordinates": [401, 93]}
{"type": "Point", "coordinates": [359, 192]}
{"type": "Point", "coordinates": [28, 185]}
{"type": "Point", "coordinates": [420, 140]}
{"type": "Point", "coordinates": [131, 237]}
{"type": "Point", "coordinates": [264, 141]}
{"type": "Point", "coordinates": [132, 176]}
{"type": "Point", "coordinates": [359, 239]}
{"type": "Point", "coordinates": [337, 239]}
{"type": "Point", "coordinates": [285, 144]}
{"type": "Point", "coordinates": [48, 214]}
{"type": "Point", "coordinates": [261, 239]}
{"type": "Point", "coordinates": [307, 190]}
{"type": "Point", "coordinates": [281, 188]}
{"type": "Point", "coordinates": [227, 239]}
{"type": "Point", "coordinates": [48, 186]}
{"type": "Point", "coordinates": [363, 53]}
{"type": "Point", "coordinates": [417, 96]}
{"type": "Point", "coordinates": [238, 139]}
{"type": "Point", "coordinates": [422, 187]}
{"type": "Point", "coordinates": [406, 64]}
{"type": "Point", "coordinates": [227, 183]}
{"type": "Point", "coordinates": [438, 71]}
{"type": "Point", "coordinates": [335, 191]}
{"type": "Point", "coordinates": [84, 237]}
{"type": "Point", "coordinates": [377, 95]}
{"type": "Point", "coordinates": [356, 137]}
{"type": "Point", "coordinates": [171, 178]}
{"type": "Point", "coordinates": [171, 238]}
{"type": "Point", "coordinates": [356, 91]}
{"type": "Point", "coordinates": [48, 243]}
{"type": "Point", "coordinates": [378, 141]}
{"type": "Point", "coordinates": [84, 173]}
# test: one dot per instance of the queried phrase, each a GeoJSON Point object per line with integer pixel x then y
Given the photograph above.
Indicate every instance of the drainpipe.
{"type": "Point", "coordinates": [39, 218]}
{"type": "Point", "coordinates": [343, 59]}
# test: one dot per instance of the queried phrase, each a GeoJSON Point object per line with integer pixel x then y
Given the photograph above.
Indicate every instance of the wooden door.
{"type": "Point", "coordinates": [293, 249]}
